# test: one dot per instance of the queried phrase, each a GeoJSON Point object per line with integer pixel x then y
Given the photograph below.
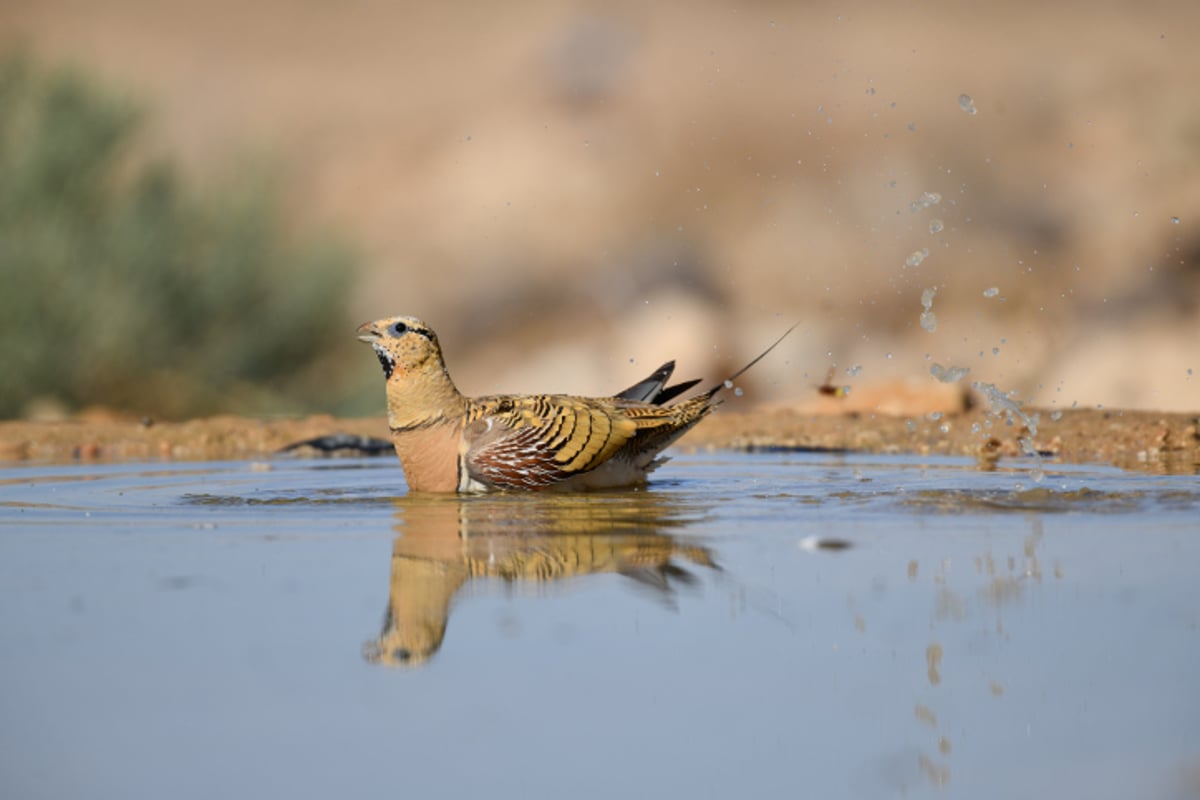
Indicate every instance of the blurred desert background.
{"type": "Point", "coordinates": [573, 193]}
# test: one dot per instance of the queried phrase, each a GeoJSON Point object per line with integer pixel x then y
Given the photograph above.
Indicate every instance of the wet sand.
{"type": "Point", "coordinates": [1140, 440]}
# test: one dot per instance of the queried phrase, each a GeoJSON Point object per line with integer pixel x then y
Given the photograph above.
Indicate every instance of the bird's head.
{"type": "Point", "coordinates": [404, 345]}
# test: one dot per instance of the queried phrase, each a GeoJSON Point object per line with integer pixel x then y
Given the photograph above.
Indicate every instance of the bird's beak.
{"type": "Point", "coordinates": [367, 332]}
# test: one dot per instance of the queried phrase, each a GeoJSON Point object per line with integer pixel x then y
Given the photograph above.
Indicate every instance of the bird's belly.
{"type": "Point", "coordinates": [615, 473]}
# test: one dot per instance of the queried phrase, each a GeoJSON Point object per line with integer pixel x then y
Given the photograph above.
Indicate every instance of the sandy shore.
{"type": "Point", "coordinates": [1150, 441]}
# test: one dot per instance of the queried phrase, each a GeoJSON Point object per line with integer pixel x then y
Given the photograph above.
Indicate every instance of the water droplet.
{"type": "Point", "coordinates": [944, 427]}
{"type": "Point", "coordinates": [995, 351]}
{"type": "Point", "coordinates": [991, 291]}
{"type": "Point", "coordinates": [853, 371]}
{"type": "Point", "coordinates": [737, 392]}
{"type": "Point", "coordinates": [728, 384]}
{"type": "Point", "coordinates": [929, 321]}
{"type": "Point", "coordinates": [927, 297]}
{"type": "Point", "coordinates": [926, 200]}
{"type": "Point", "coordinates": [949, 374]}
{"type": "Point", "coordinates": [1056, 415]}
{"type": "Point", "coordinates": [916, 258]}
{"type": "Point", "coordinates": [935, 226]}
{"type": "Point", "coordinates": [967, 104]}
{"type": "Point", "coordinates": [1174, 220]}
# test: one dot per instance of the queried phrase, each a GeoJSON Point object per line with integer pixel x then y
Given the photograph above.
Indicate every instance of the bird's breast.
{"type": "Point", "coordinates": [429, 457]}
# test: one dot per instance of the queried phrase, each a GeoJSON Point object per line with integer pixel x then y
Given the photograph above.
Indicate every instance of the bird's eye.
{"type": "Point", "coordinates": [399, 329]}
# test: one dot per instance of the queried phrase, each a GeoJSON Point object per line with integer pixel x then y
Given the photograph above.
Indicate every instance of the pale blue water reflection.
{"type": "Point", "coordinates": [305, 630]}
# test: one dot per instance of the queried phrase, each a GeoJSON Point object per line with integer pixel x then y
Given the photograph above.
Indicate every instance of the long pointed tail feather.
{"type": "Point", "coordinates": [728, 381]}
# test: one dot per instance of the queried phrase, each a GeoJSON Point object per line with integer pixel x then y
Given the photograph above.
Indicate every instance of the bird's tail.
{"type": "Point", "coordinates": [728, 382]}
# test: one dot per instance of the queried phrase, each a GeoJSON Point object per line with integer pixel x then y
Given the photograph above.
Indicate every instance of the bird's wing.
{"type": "Point", "coordinates": [532, 442]}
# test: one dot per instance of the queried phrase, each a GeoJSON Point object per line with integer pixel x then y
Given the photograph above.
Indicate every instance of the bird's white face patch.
{"type": "Point", "coordinates": [385, 360]}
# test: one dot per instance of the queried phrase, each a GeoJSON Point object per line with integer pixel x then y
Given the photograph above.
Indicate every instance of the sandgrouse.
{"type": "Point", "coordinates": [448, 442]}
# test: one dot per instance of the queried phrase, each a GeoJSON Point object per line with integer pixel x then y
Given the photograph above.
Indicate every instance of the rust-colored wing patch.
{"type": "Point", "coordinates": [532, 442]}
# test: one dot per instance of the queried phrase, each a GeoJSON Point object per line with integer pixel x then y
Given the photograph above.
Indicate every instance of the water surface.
{"type": "Point", "coordinates": [751, 625]}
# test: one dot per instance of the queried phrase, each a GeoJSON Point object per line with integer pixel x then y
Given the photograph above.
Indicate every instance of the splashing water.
{"type": "Point", "coordinates": [949, 374]}
{"type": "Point", "coordinates": [926, 200]}
{"type": "Point", "coordinates": [916, 258]}
{"type": "Point", "coordinates": [1002, 405]}
{"type": "Point", "coordinates": [928, 319]}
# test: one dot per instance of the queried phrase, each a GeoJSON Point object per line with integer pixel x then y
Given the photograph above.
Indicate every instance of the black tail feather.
{"type": "Point", "coordinates": [647, 389]}
{"type": "Point", "coordinates": [672, 392]}
{"type": "Point", "coordinates": [653, 389]}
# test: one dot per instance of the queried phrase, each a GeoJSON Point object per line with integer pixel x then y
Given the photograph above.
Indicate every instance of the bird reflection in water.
{"type": "Point", "coordinates": [444, 542]}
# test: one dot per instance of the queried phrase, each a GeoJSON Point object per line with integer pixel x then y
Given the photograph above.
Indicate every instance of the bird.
{"type": "Point", "coordinates": [448, 442]}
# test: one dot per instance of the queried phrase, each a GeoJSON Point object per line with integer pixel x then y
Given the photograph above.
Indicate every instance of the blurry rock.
{"type": "Point", "coordinates": [587, 60]}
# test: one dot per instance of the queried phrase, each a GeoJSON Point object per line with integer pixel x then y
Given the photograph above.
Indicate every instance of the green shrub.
{"type": "Point", "coordinates": [122, 285]}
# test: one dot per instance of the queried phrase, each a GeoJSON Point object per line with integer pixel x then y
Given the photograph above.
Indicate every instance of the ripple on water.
{"type": "Point", "coordinates": [1048, 500]}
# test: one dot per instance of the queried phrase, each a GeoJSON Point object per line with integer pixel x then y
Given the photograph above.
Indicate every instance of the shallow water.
{"type": "Point", "coordinates": [752, 625]}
